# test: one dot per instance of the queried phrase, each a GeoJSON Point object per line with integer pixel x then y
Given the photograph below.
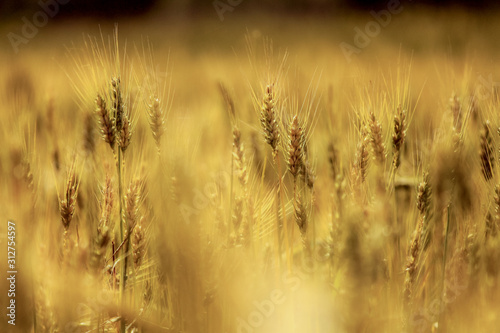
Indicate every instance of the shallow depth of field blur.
{"type": "Point", "coordinates": [390, 120]}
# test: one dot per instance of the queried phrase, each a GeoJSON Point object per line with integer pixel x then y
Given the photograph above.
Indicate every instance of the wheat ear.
{"type": "Point", "coordinates": [419, 237]}
{"type": "Point", "coordinates": [398, 136]}
{"type": "Point", "coordinates": [103, 233]}
{"type": "Point", "coordinates": [156, 120]}
{"type": "Point", "coordinates": [376, 140]}
{"type": "Point", "coordinates": [67, 205]}
{"type": "Point", "coordinates": [360, 166]}
{"type": "Point", "coordinates": [121, 119]}
{"type": "Point", "coordinates": [269, 121]}
{"type": "Point", "coordinates": [239, 157]}
{"type": "Point", "coordinates": [106, 123]}
{"type": "Point", "coordinates": [295, 150]}
{"type": "Point", "coordinates": [486, 152]}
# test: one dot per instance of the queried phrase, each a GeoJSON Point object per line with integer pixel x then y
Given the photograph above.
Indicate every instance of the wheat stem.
{"type": "Point", "coordinates": [122, 226]}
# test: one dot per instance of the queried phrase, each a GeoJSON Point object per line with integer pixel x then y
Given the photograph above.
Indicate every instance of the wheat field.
{"type": "Point", "coordinates": [249, 175]}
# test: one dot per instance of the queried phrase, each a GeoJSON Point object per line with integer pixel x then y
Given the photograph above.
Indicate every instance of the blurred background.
{"type": "Point", "coordinates": [439, 47]}
{"type": "Point", "coordinates": [115, 8]}
{"type": "Point", "coordinates": [205, 38]}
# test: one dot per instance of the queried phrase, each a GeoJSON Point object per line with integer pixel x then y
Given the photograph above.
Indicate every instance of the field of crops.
{"type": "Point", "coordinates": [260, 173]}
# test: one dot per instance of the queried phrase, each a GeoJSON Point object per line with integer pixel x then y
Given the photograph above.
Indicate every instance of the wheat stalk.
{"type": "Point", "coordinates": [106, 123]}
{"type": "Point", "coordinates": [138, 243]}
{"type": "Point", "coordinates": [156, 120]}
{"type": "Point", "coordinates": [456, 111]}
{"type": "Point", "coordinates": [228, 101]}
{"type": "Point", "coordinates": [307, 171]}
{"type": "Point", "coordinates": [361, 163]}
{"type": "Point", "coordinates": [132, 199]}
{"type": "Point", "coordinates": [419, 237]}
{"type": "Point", "coordinates": [67, 205]}
{"type": "Point", "coordinates": [486, 152]}
{"type": "Point", "coordinates": [103, 233]}
{"type": "Point", "coordinates": [239, 157]}
{"type": "Point", "coordinates": [424, 195]}
{"type": "Point", "coordinates": [269, 120]}
{"type": "Point", "coordinates": [118, 107]}
{"type": "Point", "coordinates": [376, 140]}
{"type": "Point", "coordinates": [121, 120]}
{"type": "Point", "coordinates": [125, 134]}
{"type": "Point", "coordinates": [295, 150]}
{"type": "Point", "coordinates": [398, 136]}
{"type": "Point", "coordinates": [412, 260]}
